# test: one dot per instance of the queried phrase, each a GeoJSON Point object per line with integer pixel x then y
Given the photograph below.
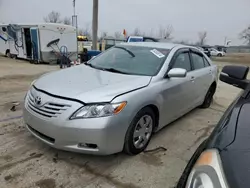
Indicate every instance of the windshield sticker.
{"type": "Point", "coordinates": [157, 53]}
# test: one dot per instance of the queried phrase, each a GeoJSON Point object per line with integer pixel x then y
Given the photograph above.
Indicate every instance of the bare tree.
{"type": "Point", "coordinates": [245, 35]}
{"type": "Point", "coordinates": [182, 42]}
{"type": "Point", "coordinates": [151, 33]}
{"type": "Point", "coordinates": [53, 17]}
{"type": "Point", "coordinates": [166, 32]}
{"type": "Point", "coordinates": [86, 31]}
{"type": "Point", "coordinates": [80, 31]}
{"type": "Point", "coordinates": [202, 37]}
{"type": "Point", "coordinates": [104, 34]}
{"type": "Point", "coordinates": [118, 35]}
{"type": "Point", "coordinates": [137, 32]}
{"type": "Point", "coordinates": [67, 21]}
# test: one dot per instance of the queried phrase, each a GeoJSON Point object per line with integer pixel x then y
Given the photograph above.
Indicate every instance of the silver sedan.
{"type": "Point", "coordinates": [117, 100]}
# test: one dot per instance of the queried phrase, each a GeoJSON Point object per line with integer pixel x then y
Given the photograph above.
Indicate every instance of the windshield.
{"type": "Point", "coordinates": [135, 60]}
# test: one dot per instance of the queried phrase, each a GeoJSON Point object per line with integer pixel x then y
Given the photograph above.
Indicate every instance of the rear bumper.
{"type": "Point", "coordinates": [100, 136]}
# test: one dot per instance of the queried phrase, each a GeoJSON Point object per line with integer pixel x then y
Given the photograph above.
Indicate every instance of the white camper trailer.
{"type": "Point", "coordinates": [4, 45]}
{"type": "Point", "coordinates": [38, 42]}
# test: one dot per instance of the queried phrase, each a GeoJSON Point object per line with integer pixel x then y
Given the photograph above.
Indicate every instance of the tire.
{"type": "Point", "coordinates": [209, 97]}
{"type": "Point", "coordinates": [219, 55]}
{"type": "Point", "coordinates": [134, 144]}
{"type": "Point", "coordinates": [8, 54]}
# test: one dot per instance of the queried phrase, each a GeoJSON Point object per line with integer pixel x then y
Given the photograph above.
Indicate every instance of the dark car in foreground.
{"type": "Point", "coordinates": [223, 160]}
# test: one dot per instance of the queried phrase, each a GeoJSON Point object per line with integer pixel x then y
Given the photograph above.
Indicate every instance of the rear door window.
{"type": "Point", "coordinates": [206, 63]}
{"type": "Point", "coordinates": [198, 61]}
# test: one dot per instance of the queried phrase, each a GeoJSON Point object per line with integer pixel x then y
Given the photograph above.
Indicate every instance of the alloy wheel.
{"type": "Point", "coordinates": [143, 131]}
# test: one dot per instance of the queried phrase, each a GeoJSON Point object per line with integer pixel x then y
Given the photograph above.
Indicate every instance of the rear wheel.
{"type": "Point", "coordinates": [140, 132]}
{"type": "Point", "coordinates": [209, 97]}
{"type": "Point", "coordinates": [219, 55]}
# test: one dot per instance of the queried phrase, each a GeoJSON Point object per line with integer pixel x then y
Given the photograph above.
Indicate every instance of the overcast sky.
{"type": "Point", "coordinates": [220, 18]}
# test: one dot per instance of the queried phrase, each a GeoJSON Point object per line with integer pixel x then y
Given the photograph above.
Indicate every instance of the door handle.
{"type": "Point", "coordinates": [192, 78]}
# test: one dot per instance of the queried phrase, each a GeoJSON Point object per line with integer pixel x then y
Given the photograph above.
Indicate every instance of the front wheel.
{"type": "Point", "coordinates": [140, 132]}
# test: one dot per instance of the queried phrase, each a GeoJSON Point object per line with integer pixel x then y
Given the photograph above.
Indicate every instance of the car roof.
{"type": "Point", "coordinates": [153, 44]}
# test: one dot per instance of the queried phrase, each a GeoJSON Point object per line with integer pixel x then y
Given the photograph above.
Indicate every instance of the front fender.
{"type": "Point", "coordinates": [138, 99]}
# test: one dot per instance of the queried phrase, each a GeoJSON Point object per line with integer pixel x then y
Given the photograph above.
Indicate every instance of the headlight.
{"type": "Point", "coordinates": [30, 88]}
{"type": "Point", "coordinates": [207, 172]}
{"type": "Point", "coordinates": [98, 110]}
{"type": "Point", "coordinates": [32, 83]}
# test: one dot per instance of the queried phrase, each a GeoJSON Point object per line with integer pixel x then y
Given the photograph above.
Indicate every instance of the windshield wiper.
{"type": "Point", "coordinates": [90, 65]}
{"type": "Point", "coordinates": [125, 49]}
{"type": "Point", "coordinates": [106, 69]}
{"type": "Point", "coordinates": [114, 70]}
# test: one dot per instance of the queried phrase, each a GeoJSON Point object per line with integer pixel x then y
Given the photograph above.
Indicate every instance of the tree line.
{"type": "Point", "coordinates": [163, 32]}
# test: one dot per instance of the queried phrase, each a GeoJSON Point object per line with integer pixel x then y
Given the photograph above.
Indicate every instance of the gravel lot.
{"type": "Point", "coordinates": [26, 162]}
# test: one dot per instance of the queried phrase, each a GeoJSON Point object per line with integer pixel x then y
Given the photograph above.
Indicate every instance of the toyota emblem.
{"type": "Point", "coordinates": [38, 100]}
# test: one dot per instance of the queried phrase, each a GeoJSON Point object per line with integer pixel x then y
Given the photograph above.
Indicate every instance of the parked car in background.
{"type": "Point", "coordinates": [221, 48]}
{"type": "Point", "coordinates": [217, 53]}
{"type": "Point", "coordinates": [141, 39]}
{"type": "Point", "coordinates": [222, 160]}
{"type": "Point", "coordinates": [205, 50]}
{"type": "Point", "coordinates": [121, 97]}
{"type": "Point", "coordinates": [109, 42]}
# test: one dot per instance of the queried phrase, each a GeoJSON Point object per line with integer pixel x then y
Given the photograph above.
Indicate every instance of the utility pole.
{"type": "Point", "coordinates": [95, 24]}
{"type": "Point", "coordinates": [74, 17]}
{"type": "Point", "coordinates": [75, 24]}
{"type": "Point", "coordinates": [74, 7]}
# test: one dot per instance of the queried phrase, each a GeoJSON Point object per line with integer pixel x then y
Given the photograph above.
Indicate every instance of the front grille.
{"type": "Point", "coordinates": [49, 109]}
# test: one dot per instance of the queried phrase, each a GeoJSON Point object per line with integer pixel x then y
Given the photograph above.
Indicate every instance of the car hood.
{"type": "Point", "coordinates": [89, 85]}
{"type": "Point", "coordinates": [235, 157]}
{"type": "Point", "coordinates": [236, 166]}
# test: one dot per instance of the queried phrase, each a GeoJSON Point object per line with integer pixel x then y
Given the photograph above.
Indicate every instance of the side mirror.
{"type": "Point", "coordinates": [235, 75]}
{"type": "Point", "coordinates": [177, 73]}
